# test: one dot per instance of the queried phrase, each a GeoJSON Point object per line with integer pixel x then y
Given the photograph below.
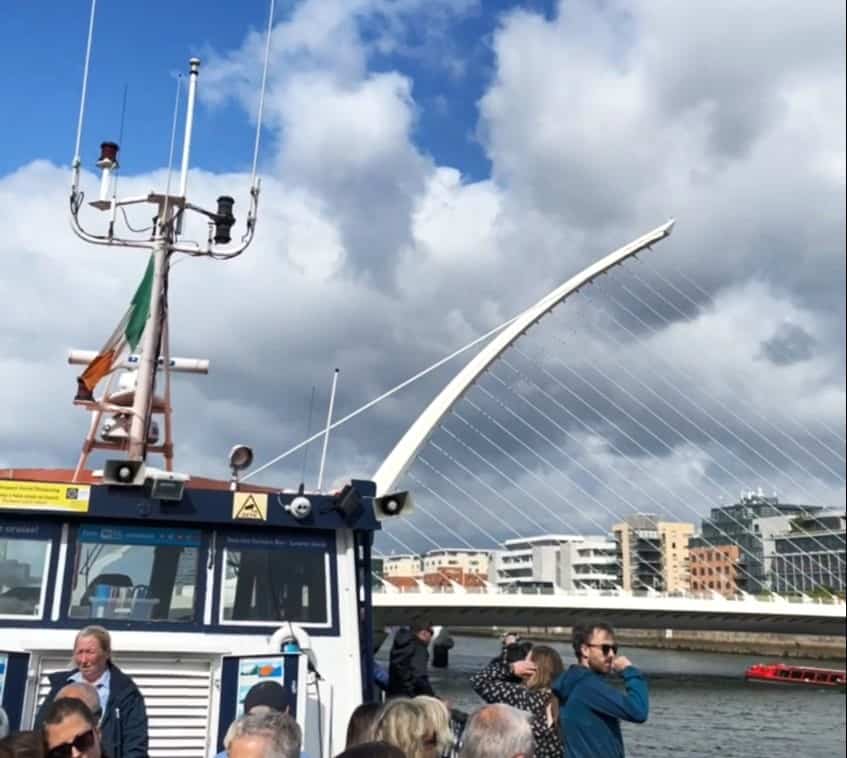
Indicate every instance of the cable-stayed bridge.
{"type": "Point", "coordinates": [633, 389]}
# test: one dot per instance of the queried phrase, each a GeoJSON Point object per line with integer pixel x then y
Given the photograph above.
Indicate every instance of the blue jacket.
{"type": "Point", "coordinates": [591, 709]}
{"type": "Point", "coordinates": [124, 724]}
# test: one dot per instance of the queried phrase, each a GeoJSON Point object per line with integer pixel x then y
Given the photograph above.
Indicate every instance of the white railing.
{"type": "Point", "coordinates": [557, 592]}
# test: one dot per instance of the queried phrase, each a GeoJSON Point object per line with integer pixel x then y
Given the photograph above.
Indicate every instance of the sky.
{"type": "Point", "coordinates": [429, 169]}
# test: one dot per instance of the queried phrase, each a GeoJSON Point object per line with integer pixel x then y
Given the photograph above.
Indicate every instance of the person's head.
{"type": "Point", "coordinates": [269, 694]}
{"type": "Point", "coordinates": [22, 745]}
{"type": "Point", "coordinates": [70, 730]}
{"type": "Point", "coordinates": [594, 646]}
{"type": "Point", "coordinates": [372, 750]}
{"type": "Point", "coordinates": [406, 723]}
{"type": "Point", "coordinates": [548, 665]}
{"type": "Point", "coordinates": [85, 692]}
{"type": "Point", "coordinates": [424, 631]}
{"type": "Point", "coordinates": [517, 651]}
{"type": "Point", "coordinates": [92, 651]}
{"type": "Point", "coordinates": [360, 726]}
{"type": "Point", "coordinates": [498, 731]}
{"type": "Point", "coordinates": [265, 733]}
{"type": "Point", "coordinates": [439, 718]}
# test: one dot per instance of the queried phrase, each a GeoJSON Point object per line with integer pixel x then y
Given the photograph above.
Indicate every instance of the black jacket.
{"type": "Point", "coordinates": [124, 723]}
{"type": "Point", "coordinates": [407, 666]}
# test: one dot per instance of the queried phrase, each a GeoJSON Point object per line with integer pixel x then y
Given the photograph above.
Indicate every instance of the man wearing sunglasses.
{"type": "Point", "coordinates": [591, 709]}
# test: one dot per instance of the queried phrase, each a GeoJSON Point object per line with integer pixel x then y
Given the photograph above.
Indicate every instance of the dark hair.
{"type": "Point", "coordinates": [60, 709]}
{"type": "Point", "coordinates": [22, 745]}
{"type": "Point", "coordinates": [372, 750]}
{"type": "Point", "coordinates": [583, 633]}
{"type": "Point", "coordinates": [360, 726]}
{"type": "Point", "coordinates": [516, 651]}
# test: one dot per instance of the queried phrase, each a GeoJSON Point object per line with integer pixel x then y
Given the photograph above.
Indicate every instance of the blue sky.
{"type": "Point", "coordinates": [430, 168]}
{"type": "Point", "coordinates": [143, 45]}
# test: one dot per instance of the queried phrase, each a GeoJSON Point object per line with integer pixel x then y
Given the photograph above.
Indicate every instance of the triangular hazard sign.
{"type": "Point", "coordinates": [250, 506]}
{"type": "Point", "coordinates": [249, 509]}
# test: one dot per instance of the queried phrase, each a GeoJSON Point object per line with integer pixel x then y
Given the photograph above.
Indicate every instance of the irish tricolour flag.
{"type": "Point", "coordinates": [127, 334]}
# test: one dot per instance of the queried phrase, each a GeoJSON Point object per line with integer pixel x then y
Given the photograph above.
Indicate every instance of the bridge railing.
{"type": "Point", "coordinates": [385, 587]}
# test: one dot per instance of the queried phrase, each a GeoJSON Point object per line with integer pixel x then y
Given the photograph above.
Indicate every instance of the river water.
{"type": "Point", "coordinates": [700, 705]}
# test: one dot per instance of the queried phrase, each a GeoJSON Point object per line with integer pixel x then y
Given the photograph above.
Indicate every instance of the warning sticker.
{"type": "Point", "coordinates": [44, 496]}
{"type": "Point", "coordinates": [250, 505]}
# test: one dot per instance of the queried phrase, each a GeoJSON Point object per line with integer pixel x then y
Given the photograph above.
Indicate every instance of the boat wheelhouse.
{"type": "Point", "coordinates": [202, 596]}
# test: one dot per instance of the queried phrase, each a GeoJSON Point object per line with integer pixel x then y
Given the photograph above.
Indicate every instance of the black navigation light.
{"type": "Point", "coordinates": [393, 504]}
{"type": "Point", "coordinates": [224, 220]}
{"type": "Point", "coordinates": [348, 503]}
{"type": "Point", "coordinates": [124, 473]}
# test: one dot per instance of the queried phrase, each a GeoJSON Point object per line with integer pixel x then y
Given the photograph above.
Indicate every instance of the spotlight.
{"type": "Point", "coordinates": [224, 220]}
{"type": "Point", "coordinates": [240, 457]}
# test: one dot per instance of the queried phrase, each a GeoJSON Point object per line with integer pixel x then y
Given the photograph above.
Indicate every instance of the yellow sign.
{"type": "Point", "coordinates": [250, 505]}
{"type": "Point", "coordinates": [44, 496]}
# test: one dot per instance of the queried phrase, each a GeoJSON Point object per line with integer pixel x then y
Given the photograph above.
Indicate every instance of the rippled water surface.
{"type": "Point", "coordinates": [700, 705]}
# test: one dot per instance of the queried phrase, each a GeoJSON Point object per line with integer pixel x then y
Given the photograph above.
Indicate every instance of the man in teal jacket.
{"type": "Point", "coordinates": [590, 708]}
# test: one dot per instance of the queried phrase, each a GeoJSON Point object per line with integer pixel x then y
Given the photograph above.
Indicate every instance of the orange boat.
{"type": "Point", "coordinates": [782, 674]}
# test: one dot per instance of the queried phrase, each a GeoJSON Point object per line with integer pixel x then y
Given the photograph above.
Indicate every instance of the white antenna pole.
{"type": "Point", "coordinates": [77, 158]}
{"type": "Point", "coordinates": [327, 430]}
{"type": "Point", "coordinates": [147, 365]}
{"type": "Point", "coordinates": [193, 72]}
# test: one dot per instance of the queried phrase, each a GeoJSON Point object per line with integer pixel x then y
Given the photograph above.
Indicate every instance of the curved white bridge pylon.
{"type": "Point", "coordinates": [404, 452]}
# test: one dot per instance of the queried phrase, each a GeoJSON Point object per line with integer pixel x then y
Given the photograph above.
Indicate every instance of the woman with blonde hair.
{"type": "Point", "coordinates": [526, 684]}
{"type": "Point", "coordinates": [440, 719]}
{"type": "Point", "coordinates": [409, 725]}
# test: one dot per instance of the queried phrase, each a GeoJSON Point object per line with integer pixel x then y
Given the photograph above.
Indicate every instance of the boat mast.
{"type": "Point", "coordinates": [132, 429]}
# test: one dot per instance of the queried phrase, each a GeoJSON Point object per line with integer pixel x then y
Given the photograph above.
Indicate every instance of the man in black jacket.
{"type": "Point", "coordinates": [124, 723]}
{"type": "Point", "coordinates": [409, 660]}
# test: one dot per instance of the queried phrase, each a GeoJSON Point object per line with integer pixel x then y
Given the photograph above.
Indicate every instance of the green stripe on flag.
{"type": "Point", "coordinates": [140, 308]}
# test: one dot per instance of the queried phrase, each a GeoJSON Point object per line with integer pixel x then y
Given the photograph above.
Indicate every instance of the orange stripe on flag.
{"type": "Point", "coordinates": [97, 369]}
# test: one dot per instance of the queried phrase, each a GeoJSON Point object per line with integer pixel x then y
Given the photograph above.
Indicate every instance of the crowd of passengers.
{"type": "Point", "coordinates": [535, 708]}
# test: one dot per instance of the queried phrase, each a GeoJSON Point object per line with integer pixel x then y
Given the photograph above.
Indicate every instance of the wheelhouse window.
{"type": "Point", "coordinates": [24, 560]}
{"type": "Point", "coordinates": [270, 579]}
{"type": "Point", "coordinates": [135, 574]}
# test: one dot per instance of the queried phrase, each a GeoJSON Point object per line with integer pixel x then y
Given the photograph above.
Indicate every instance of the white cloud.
{"type": "Point", "coordinates": [371, 257]}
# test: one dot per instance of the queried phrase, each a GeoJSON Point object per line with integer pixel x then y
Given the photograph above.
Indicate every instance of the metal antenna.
{"type": "Point", "coordinates": [77, 160]}
{"type": "Point", "coordinates": [308, 432]}
{"type": "Point", "coordinates": [327, 429]}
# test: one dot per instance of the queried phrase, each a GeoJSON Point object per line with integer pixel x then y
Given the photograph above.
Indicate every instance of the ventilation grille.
{"type": "Point", "coordinates": [177, 693]}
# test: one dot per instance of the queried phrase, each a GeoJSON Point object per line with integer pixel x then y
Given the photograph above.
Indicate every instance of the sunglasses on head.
{"type": "Point", "coordinates": [81, 742]}
{"type": "Point", "coordinates": [605, 648]}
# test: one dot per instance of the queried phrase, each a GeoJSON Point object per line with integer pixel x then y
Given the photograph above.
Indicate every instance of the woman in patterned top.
{"type": "Point", "coordinates": [498, 683]}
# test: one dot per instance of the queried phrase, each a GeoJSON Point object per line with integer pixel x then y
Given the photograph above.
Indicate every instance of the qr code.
{"type": "Point", "coordinates": [72, 493]}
